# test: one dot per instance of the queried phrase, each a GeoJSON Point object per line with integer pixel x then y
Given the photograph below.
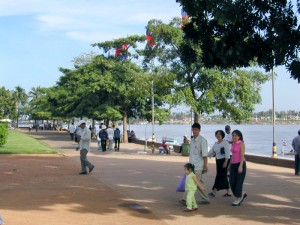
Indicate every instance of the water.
{"type": "Point", "coordinates": [258, 138]}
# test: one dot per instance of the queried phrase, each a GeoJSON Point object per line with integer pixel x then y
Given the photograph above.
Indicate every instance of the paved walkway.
{"type": "Point", "coordinates": [141, 188]}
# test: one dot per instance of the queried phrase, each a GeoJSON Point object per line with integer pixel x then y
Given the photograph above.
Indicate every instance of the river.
{"type": "Point", "coordinates": [258, 138]}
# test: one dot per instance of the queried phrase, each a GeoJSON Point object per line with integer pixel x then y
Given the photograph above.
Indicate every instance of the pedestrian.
{"type": "Point", "coordinates": [117, 138]}
{"type": "Point", "coordinates": [30, 127]}
{"type": "Point", "coordinates": [221, 151]}
{"type": "Point", "coordinates": [84, 147]}
{"type": "Point", "coordinates": [198, 157]}
{"type": "Point", "coordinates": [104, 137]}
{"type": "Point", "coordinates": [191, 184]}
{"type": "Point", "coordinates": [228, 135]}
{"type": "Point", "coordinates": [238, 167]}
{"type": "Point", "coordinates": [72, 129]}
{"type": "Point", "coordinates": [296, 147]}
{"type": "Point", "coordinates": [110, 132]}
{"type": "Point", "coordinates": [97, 130]}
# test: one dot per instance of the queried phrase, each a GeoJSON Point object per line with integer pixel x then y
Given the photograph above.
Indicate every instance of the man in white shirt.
{"type": "Point", "coordinates": [110, 132]}
{"type": "Point", "coordinates": [198, 157]}
{"type": "Point", "coordinates": [84, 147]}
{"type": "Point", "coordinates": [72, 129]}
{"type": "Point", "coordinates": [228, 135]}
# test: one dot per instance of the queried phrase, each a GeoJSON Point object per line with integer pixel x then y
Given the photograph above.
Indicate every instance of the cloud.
{"type": "Point", "coordinates": [88, 20]}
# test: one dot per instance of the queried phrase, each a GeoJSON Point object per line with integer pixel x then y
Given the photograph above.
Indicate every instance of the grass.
{"type": "Point", "coordinates": [19, 143]}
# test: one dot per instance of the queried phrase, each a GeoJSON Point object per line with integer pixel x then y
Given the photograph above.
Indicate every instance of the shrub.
{"type": "Point", "coordinates": [3, 133]}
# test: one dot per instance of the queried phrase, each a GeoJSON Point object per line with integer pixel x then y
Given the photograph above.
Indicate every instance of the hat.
{"type": "Point", "coordinates": [81, 122]}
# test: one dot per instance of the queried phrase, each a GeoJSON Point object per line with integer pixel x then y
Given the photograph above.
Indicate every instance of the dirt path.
{"type": "Point", "coordinates": [46, 189]}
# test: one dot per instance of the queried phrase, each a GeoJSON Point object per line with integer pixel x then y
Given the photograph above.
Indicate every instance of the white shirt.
{"type": "Point", "coordinates": [110, 133]}
{"type": "Point", "coordinates": [72, 129]}
{"type": "Point", "coordinates": [216, 150]}
{"type": "Point", "coordinates": [228, 138]}
{"type": "Point", "coordinates": [85, 139]}
{"type": "Point", "coordinates": [198, 150]}
{"type": "Point", "coordinates": [78, 131]}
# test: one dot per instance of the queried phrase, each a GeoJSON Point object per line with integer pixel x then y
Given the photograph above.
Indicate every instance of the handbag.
{"type": "Point", "coordinates": [181, 185]}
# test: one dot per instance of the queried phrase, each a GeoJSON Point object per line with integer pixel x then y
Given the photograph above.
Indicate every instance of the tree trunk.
{"type": "Point", "coordinates": [125, 136]}
{"type": "Point", "coordinates": [196, 117]}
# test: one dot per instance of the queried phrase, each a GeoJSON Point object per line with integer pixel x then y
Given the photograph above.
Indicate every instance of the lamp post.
{"type": "Point", "coordinates": [152, 108]}
{"type": "Point", "coordinates": [274, 149]}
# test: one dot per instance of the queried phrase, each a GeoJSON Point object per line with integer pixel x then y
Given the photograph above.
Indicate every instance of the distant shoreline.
{"type": "Point", "coordinates": [262, 122]}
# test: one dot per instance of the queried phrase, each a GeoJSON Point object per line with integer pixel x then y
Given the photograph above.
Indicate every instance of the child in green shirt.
{"type": "Point", "coordinates": [191, 185]}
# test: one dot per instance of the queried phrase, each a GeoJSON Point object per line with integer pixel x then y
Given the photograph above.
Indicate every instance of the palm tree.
{"type": "Point", "coordinates": [20, 98]}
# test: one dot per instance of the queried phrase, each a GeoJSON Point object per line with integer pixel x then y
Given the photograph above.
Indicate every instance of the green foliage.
{"type": "Point", "coordinates": [232, 92]}
{"type": "Point", "coordinates": [7, 109]}
{"type": "Point", "coordinates": [231, 34]}
{"type": "Point", "coordinates": [3, 133]}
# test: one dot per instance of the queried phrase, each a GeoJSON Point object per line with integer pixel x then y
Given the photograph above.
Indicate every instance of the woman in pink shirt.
{"type": "Point", "coordinates": [238, 167]}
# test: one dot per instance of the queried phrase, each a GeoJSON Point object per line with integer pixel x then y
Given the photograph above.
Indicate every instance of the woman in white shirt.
{"type": "Point", "coordinates": [221, 150]}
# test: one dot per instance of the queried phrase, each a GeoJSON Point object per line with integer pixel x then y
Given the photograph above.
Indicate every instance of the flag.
{"type": "Point", "coordinates": [149, 37]}
{"type": "Point", "coordinates": [184, 17]}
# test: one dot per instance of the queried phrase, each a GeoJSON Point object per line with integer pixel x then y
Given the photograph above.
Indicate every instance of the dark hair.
{"type": "Point", "coordinates": [299, 132]}
{"type": "Point", "coordinates": [190, 167]}
{"type": "Point", "coordinates": [196, 125]}
{"type": "Point", "coordinates": [227, 127]}
{"type": "Point", "coordinates": [221, 132]}
{"type": "Point", "coordinates": [238, 133]}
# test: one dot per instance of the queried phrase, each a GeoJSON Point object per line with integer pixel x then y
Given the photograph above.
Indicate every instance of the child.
{"type": "Point", "coordinates": [191, 184]}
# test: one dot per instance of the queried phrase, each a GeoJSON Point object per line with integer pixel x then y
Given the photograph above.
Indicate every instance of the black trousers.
{"type": "Point", "coordinates": [103, 145]}
{"type": "Point", "coordinates": [297, 165]}
{"type": "Point", "coordinates": [117, 143]}
{"type": "Point", "coordinates": [237, 179]}
{"type": "Point", "coordinates": [221, 180]}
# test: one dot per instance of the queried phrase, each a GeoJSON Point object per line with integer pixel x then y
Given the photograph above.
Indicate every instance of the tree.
{"type": "Point", "coordinates": [132, 89]}
{"type": "Point", "coordinates": [20, 98]}
{"type": "Point", "coordinates": [232, 92]}
{"type": "Point", "coordinates": [232, 34]}
{"type": "Point", "coordinates": [6, 108]}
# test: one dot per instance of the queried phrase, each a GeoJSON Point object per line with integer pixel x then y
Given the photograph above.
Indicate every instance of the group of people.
{"type": "Point", "coordinates": [229, 151]}
{"type": "Point", "coordinates": [107, 136]}
{"type": "Point", "coordinates": [83, 136]}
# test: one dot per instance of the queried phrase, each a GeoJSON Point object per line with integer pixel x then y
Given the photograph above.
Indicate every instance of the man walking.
{"type": "Point", "coordinates": [72, 129]}
{"type": "Point", "coordinates": [110, 133]}
{"type": "Point", "coordinates": [84, 147]}
{"type": "Point", "coordinates": [117, 137]}
{"type": "Point", "coordinates": [296, 147]}
{"type": "Point", "coordinates": [198, 157]}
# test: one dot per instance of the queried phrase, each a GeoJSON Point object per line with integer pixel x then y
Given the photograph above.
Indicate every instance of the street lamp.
{"type": "Point", "coordinates": [274, 149]}
{"type": "Point", "coordinates": [152, 107]}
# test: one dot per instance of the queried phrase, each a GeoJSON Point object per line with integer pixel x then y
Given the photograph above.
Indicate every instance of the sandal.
{"type": "Point", "coordinates": [227, 195]}
{"type": "Point", "coordinates": [212, 195]}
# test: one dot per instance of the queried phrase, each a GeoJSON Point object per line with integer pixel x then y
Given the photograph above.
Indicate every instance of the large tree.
{"type": "Point", "coordinates": [233, 33]}
{"type": "Point", "coordinates": [232, 92]}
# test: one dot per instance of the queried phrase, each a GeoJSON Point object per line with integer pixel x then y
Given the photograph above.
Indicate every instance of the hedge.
{"type": "Point", "coordinates": [3, 133]}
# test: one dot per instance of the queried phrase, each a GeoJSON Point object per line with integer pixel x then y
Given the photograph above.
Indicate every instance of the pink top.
{"type": "Point", "coordinates": [236, 152]}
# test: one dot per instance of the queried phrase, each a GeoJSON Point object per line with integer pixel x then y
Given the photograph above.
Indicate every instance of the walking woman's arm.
{"type": "Point", "coordinates": [242, 157]}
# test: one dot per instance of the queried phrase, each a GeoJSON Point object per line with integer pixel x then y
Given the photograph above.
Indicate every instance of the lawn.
{"type": "Point", "coordinates": [19, 143]}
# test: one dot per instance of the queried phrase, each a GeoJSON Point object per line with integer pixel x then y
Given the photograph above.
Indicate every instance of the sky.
{"type": "Point", "coordinates": [37, 37]}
